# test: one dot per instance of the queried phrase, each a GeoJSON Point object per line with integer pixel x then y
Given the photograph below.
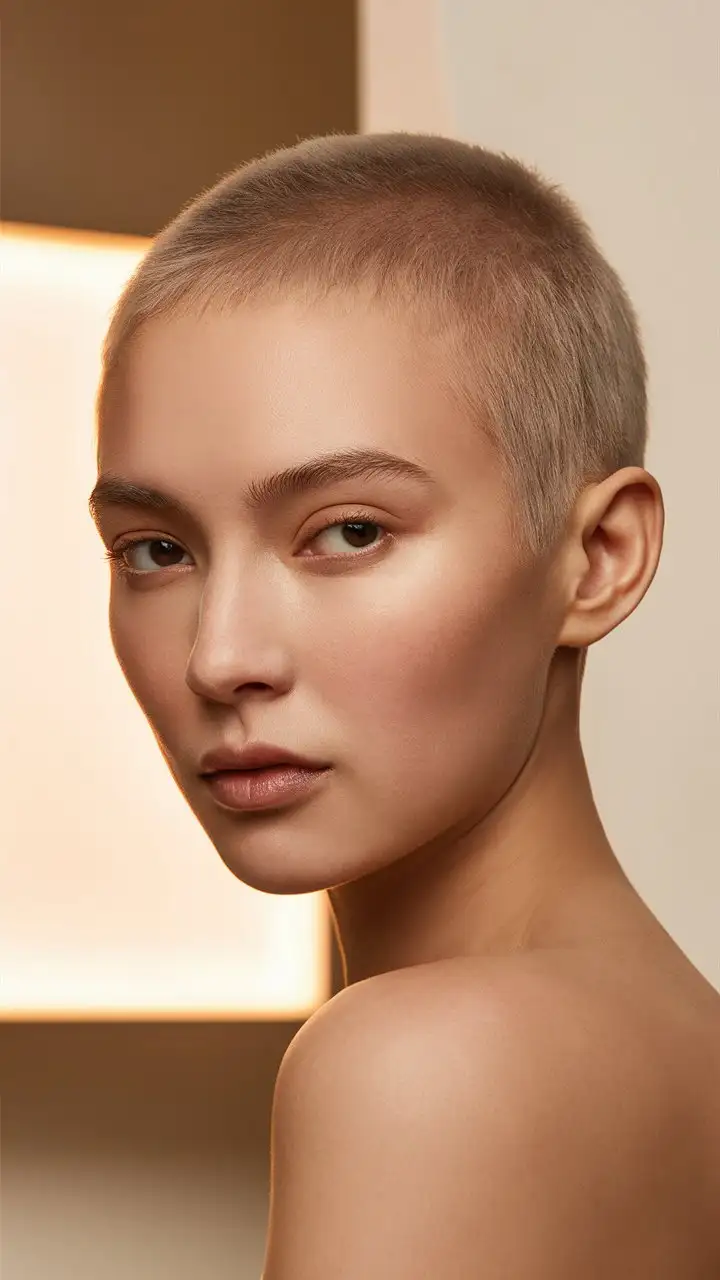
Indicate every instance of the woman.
{"type": "Point", "coordinates": [371, 432]}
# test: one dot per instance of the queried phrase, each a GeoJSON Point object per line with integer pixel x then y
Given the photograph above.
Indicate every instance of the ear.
{"type": "Point", "coordinates": [611, 554]}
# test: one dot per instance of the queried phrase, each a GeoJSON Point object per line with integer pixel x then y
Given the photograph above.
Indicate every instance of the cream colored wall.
{"type": "Point", "coordinates": [620, 103]}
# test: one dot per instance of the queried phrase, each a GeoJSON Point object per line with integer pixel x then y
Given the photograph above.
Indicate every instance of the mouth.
{"type": "Point", "coordinates": [253, 756]}
{"type": "Point", "coordinates": [269, 786]}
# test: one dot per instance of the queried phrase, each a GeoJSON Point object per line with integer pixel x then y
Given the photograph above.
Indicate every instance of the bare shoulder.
{"type": "Point", "coordinates": [625, 1043]}
{"type": "Point", "coordinates": [543, 1023]}
{"type": "Point", "coordinates": [566, 1092]}
{"type": "Point", "coordinates": [410, 1138]}
{"type": "Point", "coordinates": [624, 1010]}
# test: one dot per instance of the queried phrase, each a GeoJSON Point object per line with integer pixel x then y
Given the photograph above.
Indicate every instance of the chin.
{"type": "Point", "coordinates": [278, 857]}
{"type": "Point", "coordinates": [272, 872]}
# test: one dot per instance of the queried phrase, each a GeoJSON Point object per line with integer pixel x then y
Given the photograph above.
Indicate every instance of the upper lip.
{"type": "Point", "coordinates": [254, 755]}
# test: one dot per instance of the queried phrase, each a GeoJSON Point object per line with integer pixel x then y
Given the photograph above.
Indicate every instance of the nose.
{"type": "Point", "coordinates": [237, 646]}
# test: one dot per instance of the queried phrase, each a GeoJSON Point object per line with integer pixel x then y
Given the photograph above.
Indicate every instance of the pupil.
{"type": "Point", "coordinates": [360, 525]}
{"type": "Point", "coordinates": [167, 547]}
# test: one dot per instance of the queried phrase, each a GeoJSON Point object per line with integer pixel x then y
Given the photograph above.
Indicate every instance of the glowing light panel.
{"type": "Point", "coordinates": [113, 902]}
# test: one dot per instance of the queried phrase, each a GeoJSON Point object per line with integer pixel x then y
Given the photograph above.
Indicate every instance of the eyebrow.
{"type": "Point", "coordinates": [317, 473]}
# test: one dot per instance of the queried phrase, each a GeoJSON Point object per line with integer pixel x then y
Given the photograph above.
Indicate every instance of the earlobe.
{"type": "Point", "coordinates": [615, 541]}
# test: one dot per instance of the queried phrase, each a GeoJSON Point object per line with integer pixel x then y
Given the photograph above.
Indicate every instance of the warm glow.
{"type": "Point", "coordinates": [113, 902]}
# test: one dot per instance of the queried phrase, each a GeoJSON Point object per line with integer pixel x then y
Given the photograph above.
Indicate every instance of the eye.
{"type": "Point", "coordinates": [162, 554]}
{"type": "Point", "coordinates": [355, 530]}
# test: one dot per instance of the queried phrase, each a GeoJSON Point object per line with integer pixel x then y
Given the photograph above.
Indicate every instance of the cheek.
{"type": "Point", "coordinates": [442, 697]}
{"type": "Point", "coordinates": [153, 670]}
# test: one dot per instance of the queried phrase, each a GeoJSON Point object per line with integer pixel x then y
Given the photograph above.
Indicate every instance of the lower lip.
{"type": "Point", "coordinates": [263, 788]}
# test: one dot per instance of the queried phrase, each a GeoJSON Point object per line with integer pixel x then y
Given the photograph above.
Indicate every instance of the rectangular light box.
{"type": "Point", "coordinates": [113, 902]}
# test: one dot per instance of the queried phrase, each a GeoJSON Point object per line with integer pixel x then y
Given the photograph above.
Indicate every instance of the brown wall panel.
{"type": "Point", "coordinates": [115, 114]}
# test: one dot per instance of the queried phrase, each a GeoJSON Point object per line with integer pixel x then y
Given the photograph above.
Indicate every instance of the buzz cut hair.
{"type": "Point", "coordinates": [541, 342]}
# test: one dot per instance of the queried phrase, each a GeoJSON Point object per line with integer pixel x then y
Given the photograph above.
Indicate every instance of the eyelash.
{"type": "Point", "coordinates": [115, 554]}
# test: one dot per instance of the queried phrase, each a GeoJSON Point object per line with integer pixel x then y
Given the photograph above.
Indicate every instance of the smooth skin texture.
{"type": "Point", "coordinates": [533, 1118]}
{"type": "Point", "coordinates": [518, 1035]}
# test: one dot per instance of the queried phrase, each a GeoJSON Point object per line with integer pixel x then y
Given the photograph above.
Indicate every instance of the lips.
{"type": "Point", "coordinates": [254, 756]}
{"type": "Point", "coordinates": [271, 787]}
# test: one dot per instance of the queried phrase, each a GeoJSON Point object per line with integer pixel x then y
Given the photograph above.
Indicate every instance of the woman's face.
{"type": "Point", "coordinates": [410, 654]}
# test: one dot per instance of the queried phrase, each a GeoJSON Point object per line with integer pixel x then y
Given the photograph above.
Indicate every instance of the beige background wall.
{"type": "Point", "coordinates": [139, 1153]}
{"type": "Point", "coordinates": [620, 103]}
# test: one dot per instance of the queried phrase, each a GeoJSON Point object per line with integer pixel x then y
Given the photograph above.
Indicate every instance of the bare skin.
{"type": "Point", "coordinates": [641, 1100]}
{"type": "Point", "coordinates": [598, 997]}
{"type": "Point", "coordinates": [436, 671]}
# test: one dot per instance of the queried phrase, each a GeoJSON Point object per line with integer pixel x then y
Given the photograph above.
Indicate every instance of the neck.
{"type": "Point", "coordinates": [536, 872]}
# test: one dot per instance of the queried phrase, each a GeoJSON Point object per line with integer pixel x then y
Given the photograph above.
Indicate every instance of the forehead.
{"type": "Point", "coordinates": [274, 358]}
{"type": "Point", "coordinates": [269, 384]}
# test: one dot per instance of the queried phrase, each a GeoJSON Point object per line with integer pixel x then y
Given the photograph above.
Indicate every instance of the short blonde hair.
{"type": "Point", "coordinates": [542, 340]}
